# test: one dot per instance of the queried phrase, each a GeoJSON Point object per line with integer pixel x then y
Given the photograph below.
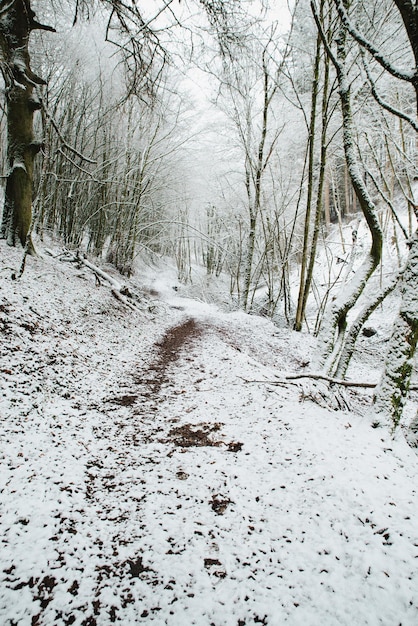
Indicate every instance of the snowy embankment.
{"type": "Point", "coordinates": [144, 479]}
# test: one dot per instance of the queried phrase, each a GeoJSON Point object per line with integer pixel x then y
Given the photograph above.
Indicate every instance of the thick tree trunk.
{"type": "Point", "coordinates": [21, 151]}
{"type": "Point", "coordinates": [393, 389]}
{"type": "Point", "coordinates": [17, 21]}
{"type": "Point", "coordinates": [355, 328]}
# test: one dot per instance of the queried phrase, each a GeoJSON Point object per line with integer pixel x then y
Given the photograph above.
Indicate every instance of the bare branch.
{"type": "Point", "coordinates": [64, 143]}
{"type": "Point", "coordinates": [323, 35]}
{"type": "Point", "coordinates": [385, 105]}
{"type": "Point", "coordinates": [367, 45]}
{"type": "Point", "coordinates": [333, 381]}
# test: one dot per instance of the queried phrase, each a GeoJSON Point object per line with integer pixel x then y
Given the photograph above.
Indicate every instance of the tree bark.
{"type": "Point", "coordinates": [17, 21]}
{"type": "Point", "coordinates": [320, 190]}
{"type": "Point", "coordinates": [300, 310]}
{"type": "Point", "coordinates": [392, 392]}
{"type": "Point", "coordinates": [254, 175]}
{"type": "Point", "coordinates": [334, 327]}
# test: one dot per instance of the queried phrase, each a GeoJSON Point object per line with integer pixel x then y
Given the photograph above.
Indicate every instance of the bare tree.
{"type": "Point", "coordinates": [310, 241]}
{"type": "Point", "coordinates": [391, 394]}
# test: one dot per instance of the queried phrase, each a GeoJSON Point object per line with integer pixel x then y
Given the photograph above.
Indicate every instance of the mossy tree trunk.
{"type": "Point", "coordinates": [391, 395]}
{"type": "Point", "coordinates": [17, 21]}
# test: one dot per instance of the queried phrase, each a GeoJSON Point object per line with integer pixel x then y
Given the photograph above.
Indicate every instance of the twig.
{"type": "Point", "coordinates": [279, 383]}
{"type": "Point", "coordinates": [60, 136]}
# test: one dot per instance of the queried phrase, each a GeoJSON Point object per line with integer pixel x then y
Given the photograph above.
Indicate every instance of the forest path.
{"type": "Point", "coordinates": [144, 480]}
{"type": "Point", "coordinates": [208, 486]}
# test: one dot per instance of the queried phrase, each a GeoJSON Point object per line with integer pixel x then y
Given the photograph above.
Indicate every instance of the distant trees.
{"type": "Point", "coordinates": [249, 86]}
{"type": "Point", "coordinates": [102, 180]}
{"type": "Point", "coordinates": [128, 27]}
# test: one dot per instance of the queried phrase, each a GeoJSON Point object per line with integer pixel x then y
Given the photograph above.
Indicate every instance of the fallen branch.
{"type": "Point", "coordinates": [338, 381]}
{"type": "Point", "coordinates": [119, 296]}
{"type": "Point", "coordinates": [328, 379]}
{"type": "Point", "coordinates": [279, 383]}
{"type": "Point", "coordinates": [334, 381]}
{"type": "Point", "coordinates": [116, 285]}
{"type": "Point", "coordinates": [119, 290]}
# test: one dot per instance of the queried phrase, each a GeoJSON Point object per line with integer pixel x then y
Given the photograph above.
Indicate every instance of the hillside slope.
{"type": "Point", "coordinates": [148, 476]}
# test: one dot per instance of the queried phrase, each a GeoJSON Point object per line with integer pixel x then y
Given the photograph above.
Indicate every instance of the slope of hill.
{"type": "Point", "coordinates": [150, 473]}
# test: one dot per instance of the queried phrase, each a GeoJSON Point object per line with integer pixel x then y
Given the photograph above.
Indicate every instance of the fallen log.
{"type": "Point", "coordinates": [116, 285]}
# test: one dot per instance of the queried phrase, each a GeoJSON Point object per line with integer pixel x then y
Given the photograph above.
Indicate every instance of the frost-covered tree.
{"type": "Point", "coordinates": [250, 86]}
{"type": "Point", "coordinates": [137, 34]}
{"type": "Point", "coordinates": [377, 60]}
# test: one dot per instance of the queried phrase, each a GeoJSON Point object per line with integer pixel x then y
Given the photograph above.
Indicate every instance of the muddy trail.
{"type": "Point", "coordinates": [153, 384]}
{"type": "Point", "coordinates": [134, 442]}
{"type": "Point", "coordinates": [170, 349]}
{"type": "Point", "coordinates": [147, 384]}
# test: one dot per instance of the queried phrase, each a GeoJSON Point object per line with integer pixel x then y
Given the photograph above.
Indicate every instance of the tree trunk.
{"type": "Point", "coordinates": [249, 260]}
{"type": "Point", "coordinates": [347, 350]}
{"type": "Point", "coordinates": [393, 389]}
{"type": "Point", "coordinates": [320, 190]}
{"type": "Point", "coordinates": [300, 310]}
{"type": "Point", "coordinates": [17, 21]}
{"type": "Point", "coordinates": [332, 333]}
{"type": "Point", "coordinates": [21, 150]}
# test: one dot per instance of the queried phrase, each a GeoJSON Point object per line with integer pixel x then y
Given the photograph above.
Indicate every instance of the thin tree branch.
{"type": "Point", "coordinates": [367, 45]}
{"type": "Point", "coordinates": [57, 130]}
{"type": "Point", "coordinates": [385, 105]}
{"type": "Point", "coordinates": [333, 381]}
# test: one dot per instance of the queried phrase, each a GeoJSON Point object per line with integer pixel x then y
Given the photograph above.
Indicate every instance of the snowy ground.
{"type": "Point", "coordinates": [145, 480]}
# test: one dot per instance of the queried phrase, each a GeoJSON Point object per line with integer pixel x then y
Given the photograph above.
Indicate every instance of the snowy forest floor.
{"type": "Point", "coordinates": [144, 479]}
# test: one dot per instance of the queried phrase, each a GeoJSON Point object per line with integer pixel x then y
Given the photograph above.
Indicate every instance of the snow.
{"type": "Point", "coordinates": [146, 478]}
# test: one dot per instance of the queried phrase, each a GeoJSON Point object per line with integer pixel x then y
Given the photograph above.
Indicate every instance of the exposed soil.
{"type": "Point", "coordinates": [197, 435]}
{"type": "Point", "coordinates": [169, 350]}
{"type": "Point", "coordinates": [190, 435]}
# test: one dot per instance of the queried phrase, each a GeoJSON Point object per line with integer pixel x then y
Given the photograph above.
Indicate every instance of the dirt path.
{"type": "Point", "coordinates": [169, 491]}
{"type": "Point", "coordinates": [146, 384]}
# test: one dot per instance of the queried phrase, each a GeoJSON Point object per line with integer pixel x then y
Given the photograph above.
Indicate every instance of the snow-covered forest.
{"type": "Point", "coordinates": [209, 312]}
